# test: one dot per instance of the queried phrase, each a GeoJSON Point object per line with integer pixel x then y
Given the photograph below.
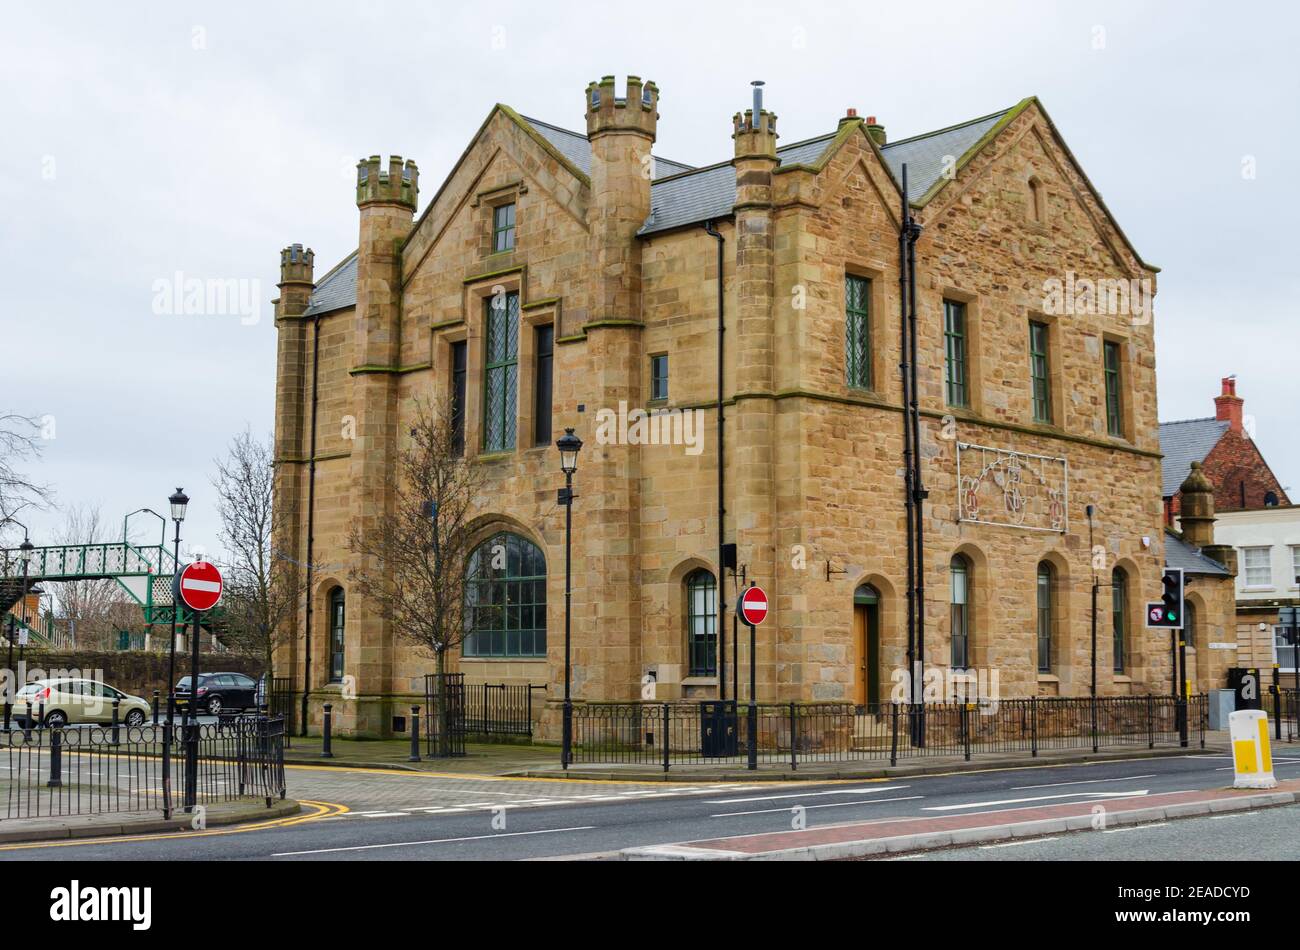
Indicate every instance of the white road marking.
{"type": "Point", "coordinates": [408, 844]}
{"type": "Point", "coordinates": [1036, 798]}
{"type": "Point", "coordinates": [1091, 781]}
{"type": "Point", "coordinates": [1014, 844]}
{"type": "Point", "coordinates": [838, 791]}
{"type": "Point", "coordinates": [1115, 831]}
{"type": "Point", "coordinates": [769, 811]}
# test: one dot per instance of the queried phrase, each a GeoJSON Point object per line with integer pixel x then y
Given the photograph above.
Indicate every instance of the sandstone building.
{"type": "Point", "coordinates": [557, 277]}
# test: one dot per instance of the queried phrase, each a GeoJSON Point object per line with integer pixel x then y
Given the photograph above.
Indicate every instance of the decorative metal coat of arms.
{"type": "Point", "coordinates": [1013, 489]}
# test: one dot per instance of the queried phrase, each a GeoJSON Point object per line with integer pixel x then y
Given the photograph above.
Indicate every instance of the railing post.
{"type": "Point", "coordinates": [667, 741]}
{"type": "Point", "coordinates": [326, 733]}
{"type": "Point", "coordinates": [794, 740]}
{"type": "Point", "coordinates": [751, 718]}
{"type": "Point", "coordinates": [56, 758]}
{"type": "Point", "coordinates": [1033, 726]}
{"type": "Point", "coordinates": [191, 730]}
{"type": "Point", "coordinates": [1094, 723]}
{"type": "Point", "coordinates": [117, 724]}
{"type": "Point", "coordinates": [893, 742]}
{"type": "Point", "coordinates": [167, 769]}
{"type": "Point", "coordinates": [965, 728]}
{"type": "Point", "coordinates": [155, 707]}
{"type": "Point", "coordinates": [1151, 729]}
{"type": "Point", "coordinates": [415, 735]}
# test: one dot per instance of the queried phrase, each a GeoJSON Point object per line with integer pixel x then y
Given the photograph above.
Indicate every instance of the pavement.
{"type": "Point", "coordinates": [382, 814]}
{"type": "Point", "coordinates": [147, 822]}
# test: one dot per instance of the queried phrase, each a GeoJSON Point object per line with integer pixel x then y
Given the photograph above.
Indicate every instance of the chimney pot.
{"type": "Point", "coordinates": [852, 113]}
{"type": "Point", "coordinates": [1227, 405]}
{"type": "Point", "coordinates": [871, 119]}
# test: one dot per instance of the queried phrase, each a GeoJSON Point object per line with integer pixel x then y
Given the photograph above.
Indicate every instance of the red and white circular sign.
{"type": "Point", "coordinates": [753, 606]}
{"type": "Point", "coordinates": [200, 585]}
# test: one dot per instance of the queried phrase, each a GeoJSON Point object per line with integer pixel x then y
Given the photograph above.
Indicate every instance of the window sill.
{"type": "Point", "coordinates": [502, 659]}
{"type": "Point", "coordinates": [1121, 678]}
{"type": "Point", "coordinates": [1048, 678]}
{"type": "Point", "coordinates": [700, 681]}
{"type": "Point", "coordinates": [495, 456]}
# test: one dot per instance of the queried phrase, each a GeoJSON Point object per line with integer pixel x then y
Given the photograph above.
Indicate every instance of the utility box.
{"type": "Point", "coordinates": [718, 726]}
{"type": "Point", "coordinates": [1223, 703]}
{"type": "Point", "coordinates": [1248, 686]}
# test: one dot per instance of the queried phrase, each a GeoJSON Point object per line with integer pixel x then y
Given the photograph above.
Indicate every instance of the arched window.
{"type": "Point", "coordinates": [960, 612]}
{"type": "Point", "coordinates": [1119, 616]}
{"type": "Point", "coordinates": [1189, 624]}
{"type": "Point", "coordinates": [1044, 599]}
{"type": "Point", "coordinates": [505, 594]}
{"type": "Point", "coordinates": [336, 641]}
{"type": "Point", "coordinates": [1036, 201]}
{"type": "Point", "coordinates": [702, 623]}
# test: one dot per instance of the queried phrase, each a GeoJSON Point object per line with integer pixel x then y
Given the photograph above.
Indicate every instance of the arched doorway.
{"type": "Point", "coordinates": [866, 646]}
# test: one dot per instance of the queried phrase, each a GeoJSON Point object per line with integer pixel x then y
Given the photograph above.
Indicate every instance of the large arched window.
{"type": "Point", "coordinates": [1044, 616]}
{"type": "Point", "coordinates": [505, 595]}
{"type": "Point", "coordinates": [1119, 616]}
{"type": "Point", "coordinates": [336, 641]}
{"type": "Point", "coordinates": [959, 600]}
{"type": "Point", "coordinates": [702, 623]}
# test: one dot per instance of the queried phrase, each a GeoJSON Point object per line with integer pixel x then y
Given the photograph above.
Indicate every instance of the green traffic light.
{"type": "Point", "coordinates": [1171, 615]}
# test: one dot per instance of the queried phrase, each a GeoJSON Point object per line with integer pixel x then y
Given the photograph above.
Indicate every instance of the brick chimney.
{"type": "Point", "coordinates": [1227, 405]}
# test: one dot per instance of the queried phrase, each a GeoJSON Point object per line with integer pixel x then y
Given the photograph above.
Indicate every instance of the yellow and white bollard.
{"type": "Point", "coordinates": [1252, 759]}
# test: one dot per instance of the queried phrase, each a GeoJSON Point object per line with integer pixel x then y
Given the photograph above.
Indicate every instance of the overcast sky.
{"type": "Point", "coordinates": [201, 138]}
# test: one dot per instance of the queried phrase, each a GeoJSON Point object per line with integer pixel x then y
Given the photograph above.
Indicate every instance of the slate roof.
{"type": "Point", "coordinates": [1183, 443]}
{"type": "Point", "coordinates": [336, 289]}
{"type": "Point", "coordinates": [681, 195]}
{"type": "Point", "coordinates": [1178, 553]}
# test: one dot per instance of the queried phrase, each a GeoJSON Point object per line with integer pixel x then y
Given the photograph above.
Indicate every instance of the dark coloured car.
{"type": "Point", "coordinates": [219, 692]}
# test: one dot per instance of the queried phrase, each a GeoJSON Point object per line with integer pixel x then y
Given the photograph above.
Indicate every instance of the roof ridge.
{"type": "Point", "coordinates": [585, 138]}
{"type": "Point", "coordinates": [335, 269]}
{"type": "Point", "coordinates": [1179, 422]}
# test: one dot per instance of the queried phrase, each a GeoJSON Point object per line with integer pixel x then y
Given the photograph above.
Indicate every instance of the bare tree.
{"type": "Point", "coordinates": [261, 585]}
{"type": "Point", "coordinates": [413, 567]}
{"type": "Point", "coordinates": [19, 443]}
{"type": "Point", "coordinates": [85, 605]}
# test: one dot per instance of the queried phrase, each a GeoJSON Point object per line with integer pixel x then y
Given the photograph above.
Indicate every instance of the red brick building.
{"type": "Point", "coordinates": [1228, 455]}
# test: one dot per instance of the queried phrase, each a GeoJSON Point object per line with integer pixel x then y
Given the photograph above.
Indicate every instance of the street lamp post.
{"type": "Point", "coordinates": [569, 446]}
{"type": "Point", "coordinates": [178, 501]}
{"type": "Point", "coordinates": [25, 556]}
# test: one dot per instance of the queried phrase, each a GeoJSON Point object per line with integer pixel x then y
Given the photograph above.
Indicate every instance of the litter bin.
{"type": "Point", "coordinates": [1247, 686]}
{"type": "Point", "coordinates": [718, 728]}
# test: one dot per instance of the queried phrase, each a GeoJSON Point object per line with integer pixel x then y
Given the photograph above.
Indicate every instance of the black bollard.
{"type": "Point", "coordinates": [155, 707]}
{"type": "Point", "coordinates": [415, 735]}
{"type": "Point", "coordinates": [327, 729]}
{"type": "Point", "coordinates": [56, 759]}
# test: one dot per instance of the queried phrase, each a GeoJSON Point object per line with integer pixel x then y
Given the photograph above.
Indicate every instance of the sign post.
{"type": "Point", "coordinates": [753, 610]}
{"type": "Point", "coordinates": [200, 589]}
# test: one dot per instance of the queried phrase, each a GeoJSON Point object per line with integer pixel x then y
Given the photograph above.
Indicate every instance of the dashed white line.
{"type": "Point", "coordinates": [769, 811]}
{"type": "Point", "coordinates": [409, 844]}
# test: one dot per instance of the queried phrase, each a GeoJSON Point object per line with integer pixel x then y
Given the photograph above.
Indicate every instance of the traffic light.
{"type": "Point", "coordinates": [1168, 611]}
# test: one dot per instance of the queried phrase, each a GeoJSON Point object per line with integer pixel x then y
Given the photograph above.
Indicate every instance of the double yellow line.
{"type": "Point", "coordinates": [319, 810]}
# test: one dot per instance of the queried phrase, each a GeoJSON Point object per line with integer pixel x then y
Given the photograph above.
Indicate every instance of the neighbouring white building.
{"type": "Point", "coordinates": [1267, 541]}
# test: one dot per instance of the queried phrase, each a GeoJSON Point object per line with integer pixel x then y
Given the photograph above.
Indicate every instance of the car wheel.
{"type": "Point", "coordinates": [56, 719]}
{"type": "Point", "coordinates": [214, 706]}
{"type": "Point", "coordinates": [135, 718]}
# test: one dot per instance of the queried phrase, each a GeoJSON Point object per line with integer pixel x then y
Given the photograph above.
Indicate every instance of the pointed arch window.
{"type": "Point", "coordinates": [1119, 616]}
{"type": "Point", "coordinates": [1044, 600]}
{"type": "Point", "coordinates": [337, 613]}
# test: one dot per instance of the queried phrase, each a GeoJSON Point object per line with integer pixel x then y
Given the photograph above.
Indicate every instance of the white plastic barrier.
{"type": "Point", "coordinates": [1252, 758]}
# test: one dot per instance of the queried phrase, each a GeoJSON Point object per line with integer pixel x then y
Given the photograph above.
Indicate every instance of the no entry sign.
{"type": "Point", "coordinates": [753, 606]}
{"type": "Point", "coordinates": [200, 585]}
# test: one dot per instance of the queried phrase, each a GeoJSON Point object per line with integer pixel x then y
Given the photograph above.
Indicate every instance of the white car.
{"type": "Point", "coordinates": [74, 701]}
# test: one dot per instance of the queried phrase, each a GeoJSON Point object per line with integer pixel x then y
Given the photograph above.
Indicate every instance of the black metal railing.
{"type": "Point", "coordinates": [88, 770]}
{"type": "Point", "coordinates": [684, 733]}
{"type": "Point", "coordinates": [502, 709]}
{"type": "Point", "coordinates": [1281, 706]}
{"type": "Point", "coordinates": [444, 714]}
{"type": "Point", "coordinates": [283, 702]}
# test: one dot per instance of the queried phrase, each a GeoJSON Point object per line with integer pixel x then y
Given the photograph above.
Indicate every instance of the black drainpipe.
{"type": "Point", "coordinates": [905, 370]}
{"type": "Point", "coordinates": [918, 483]}
{"type": "Point", "coordinates": [311, 520]}
{"type": "Point", "coordinates": [722, 597]}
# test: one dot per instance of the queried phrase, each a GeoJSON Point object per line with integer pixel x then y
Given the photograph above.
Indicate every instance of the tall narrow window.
{"type": "Point", "coordinates": [501, 376]}
{"type": "Point", "coordinates": [1114, 421]}
{"type": "Point", "coordinates": [659, 376]}
{"type": "Point", "coordinates": [1119, 616]}
{"type": "Point", "coordinates": [503, 228]}
{"type": "Point", "coordinates": [458, 358]}
{"type": "Point", "coordinates": [702, 623]}
{"type": "Point", "coordinates": [1044, 617]}
{"type": "Point", "coordinates": [954, 340]}
{"type": "Point", "coordinates": [336, 616]}
{"type": "Point", "coordinates": [505, 598]}
{"type": "Point", "coordinates": [857, 331]}
{"type": "Point", "coordinates": [1035, 201]}
{"type": "Point", "coordinates": [1038, 368]}
{"type": "Point", "coordinates": [1189, 623]}
{"type": "Point", "coordinates": [959, 612]}
{"type": "Point", "coordinates": [544, 340]}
